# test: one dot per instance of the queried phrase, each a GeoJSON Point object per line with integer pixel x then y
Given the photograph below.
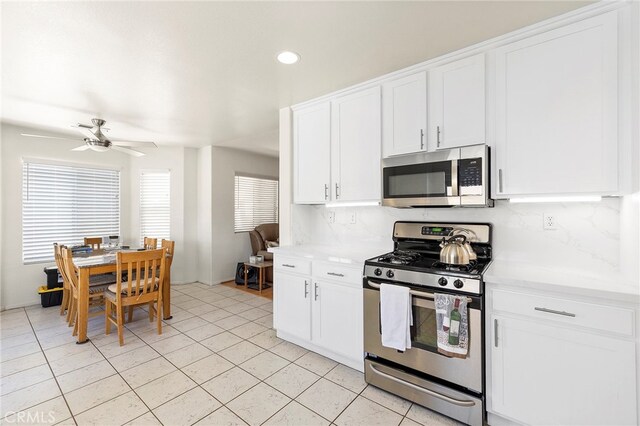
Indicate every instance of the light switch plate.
{"type": "Point", "coordinates": [548, 222]}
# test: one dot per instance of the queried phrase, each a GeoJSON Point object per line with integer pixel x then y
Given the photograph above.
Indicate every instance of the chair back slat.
{"type": "Point", "coordinates": [144, 271]}
{"type": "Point", "coordinates": [57, 253]}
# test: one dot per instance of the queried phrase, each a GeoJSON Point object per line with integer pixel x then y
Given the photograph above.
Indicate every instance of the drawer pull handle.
{"type": "Point", "coordinates": [335, 274]}
{"type": "Point", "coordinates": [495, 333]}
{"type": "Point", "coordinates": [551, 311]}
{"type": "Point", "coordinates": [286, 265]}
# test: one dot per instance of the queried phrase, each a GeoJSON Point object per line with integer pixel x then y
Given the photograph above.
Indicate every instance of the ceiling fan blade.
{"type": "Point", "coordinates": [146, 144]}
{"type": "Point", "coordinates": [81, 148]}
{"type": "Point", "coordinates": [86, 131]}
{"type": "Point", "coordinates": [128, 151]}
{"type": "Point", "coordinates": [47, 137]}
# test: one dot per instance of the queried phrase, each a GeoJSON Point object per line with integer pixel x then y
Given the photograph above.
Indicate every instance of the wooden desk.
{"type": "Point", "coordinates": [261, 276]}
{"type": "Point", "coordinates": [103, 262]}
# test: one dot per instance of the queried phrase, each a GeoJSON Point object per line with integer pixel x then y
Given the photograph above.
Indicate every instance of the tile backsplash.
{"type": "Point", "coordinates": [587, 235]}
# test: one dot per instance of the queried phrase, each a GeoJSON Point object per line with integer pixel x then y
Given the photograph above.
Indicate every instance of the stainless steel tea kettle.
{"type": "Point", "coordinates": [454, 251]}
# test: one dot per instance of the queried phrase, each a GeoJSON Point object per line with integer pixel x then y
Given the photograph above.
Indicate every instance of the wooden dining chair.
{"type": "Point", "coordinates": [70, 274]}
{"type": "Point", "coordinates": [143, 286]}
{"type": "Point", "coordinates": [150, 243]}
{"type": "Point", "coordinates": [94, 242]}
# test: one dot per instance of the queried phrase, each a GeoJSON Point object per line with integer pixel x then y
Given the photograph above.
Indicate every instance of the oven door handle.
{"type": "Point", "coordinates": [415, 293]}
{"type": "Point", "coordinates": [434, 394]}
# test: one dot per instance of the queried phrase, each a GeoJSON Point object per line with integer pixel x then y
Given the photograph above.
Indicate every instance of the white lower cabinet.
{"type": "Point", "coordinates": [548, 372]}
{"type": "Point", "coordinates": [292, 304]}
{"type": "Point", "coordinates": [336, 309]}
{"type": "Point", "coordinates": [319, 314]}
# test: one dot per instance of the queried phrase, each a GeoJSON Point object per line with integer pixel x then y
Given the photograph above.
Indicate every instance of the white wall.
{"type": "Point", "coordinates": [228, 248]}
{"type": "Point", "coordinates": [204, 208]}
{"type": "Point", "coordinates": [18, 282]}
{"type": "Point", "coordinates": [181, 162]}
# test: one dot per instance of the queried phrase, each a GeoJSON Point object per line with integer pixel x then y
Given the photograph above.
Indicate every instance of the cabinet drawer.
{"type": "Point", "coordinates": [334, 272]}
{"type": "Point", "coordinates": [590, 315]}
{"type": "Point", "coordinates": [292, 264]}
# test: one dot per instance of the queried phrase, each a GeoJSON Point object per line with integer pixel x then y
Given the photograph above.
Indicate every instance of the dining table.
{"type": "Point", "coordinates": [103, 261]}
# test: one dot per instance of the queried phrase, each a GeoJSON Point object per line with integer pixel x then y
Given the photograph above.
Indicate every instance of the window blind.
{"type": "Point", "coordinates": [256, 202]}
{"type": "Point", "coordinates": [64, 204]}
{"type": "Point", "coordinates": [155, 204]}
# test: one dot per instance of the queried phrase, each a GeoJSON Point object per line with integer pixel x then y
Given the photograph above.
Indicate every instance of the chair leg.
{"type": "Point", "coordinates": [151, 311]}
{"type": "Point", "coordinates": [75, 323]}
{"type": "Point", "coordinates": [71, 314]}
{"type": "Point", "coordinates": [130, 314]}
{"type": "Point", "coordinates": [107, 316]}
{"type": "Point", "coordinates": [65, 301]}
{"type": "Point", "coordinates": [159, 314]}
{"type": "Point", "coordinates": [120, 315]}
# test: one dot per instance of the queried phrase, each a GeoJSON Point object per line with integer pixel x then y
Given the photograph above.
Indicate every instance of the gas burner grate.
{"type": "Point", "coordinates": [456, 268]}
{"type": "Point", "coordinates": [400, 257]}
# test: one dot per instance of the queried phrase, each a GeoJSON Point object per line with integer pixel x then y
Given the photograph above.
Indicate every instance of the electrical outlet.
{"type": "Point", "coordinates": [352, 218]}
{"type": "Point", "coordinates": [548, 222]}
{"type": "Point", "coordinates": [332, 217]}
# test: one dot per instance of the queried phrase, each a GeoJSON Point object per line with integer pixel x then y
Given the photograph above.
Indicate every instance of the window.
{"type": "Point", "coordinates": [64, 204]}
{"type": "Point", "coordinates": [155, 204]}
{"type": "Point", "coordinates": [256, 202]}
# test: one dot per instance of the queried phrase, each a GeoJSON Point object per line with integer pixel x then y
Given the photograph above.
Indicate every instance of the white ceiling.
{"type": "Point", "coordinates": [204, 73]}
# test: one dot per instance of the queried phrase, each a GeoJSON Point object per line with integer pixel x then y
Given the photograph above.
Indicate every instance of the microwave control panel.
{"type": "Point", "coordinates": [470, 176]}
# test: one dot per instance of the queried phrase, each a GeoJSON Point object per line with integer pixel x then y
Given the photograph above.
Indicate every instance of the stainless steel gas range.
{"type": "Point", "coordinates": [452, 386]}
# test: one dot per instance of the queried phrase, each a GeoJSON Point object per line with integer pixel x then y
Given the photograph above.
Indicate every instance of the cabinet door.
{"type": "Point", "coordinates": [544, 374]}
{"type": "Point", "coordinates": [292, 304]}
{"type": "Point", "coordinates": [556, 111]}
{"type": "Point", "coordinates": [311, 154]}
{"type": "Point", "coordinates": [337, 318]}
{"type": "Point", "coordinates": [457, 103]}
{"type": "Point", "coordinates": [355, 142]}
{"type": "Point", "coordinates": [404, 115]}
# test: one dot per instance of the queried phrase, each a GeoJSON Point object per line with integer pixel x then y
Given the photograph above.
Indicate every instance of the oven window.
{"type": "Point", "coordinates": [418, 180]}
{"type": "Point", "coordinates": [423, 331]}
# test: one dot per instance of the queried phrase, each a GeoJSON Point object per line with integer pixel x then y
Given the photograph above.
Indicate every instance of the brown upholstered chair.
{"type": "Point", "coordinates": [259, 237]}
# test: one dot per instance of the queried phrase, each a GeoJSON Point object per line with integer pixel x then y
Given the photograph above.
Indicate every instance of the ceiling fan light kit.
{"type": "Point", "coordinates": [95, 140]}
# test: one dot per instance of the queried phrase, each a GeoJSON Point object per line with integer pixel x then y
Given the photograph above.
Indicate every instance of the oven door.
{"type": "Point", "coordinates": [414, 182]}
{"type": "Point", "coordinates": [423, 355]}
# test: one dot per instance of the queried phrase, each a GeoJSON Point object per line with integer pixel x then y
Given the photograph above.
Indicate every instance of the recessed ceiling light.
{"type": "Point", "coordinates": [288, 57]}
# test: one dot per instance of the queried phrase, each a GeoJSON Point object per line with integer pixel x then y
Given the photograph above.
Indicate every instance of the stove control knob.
{"type": "Point", "coordinates": [378, 272]}
{"type": "Point", "coordinates": [458, 283]}
{"type": "Point", "coordinates": [390, 273]}
{"type": "Point", "coordinates": [442, 281]}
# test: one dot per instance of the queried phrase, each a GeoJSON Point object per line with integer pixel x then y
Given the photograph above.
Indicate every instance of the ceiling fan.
{"type": "Point", "coordinates": [95, 140]}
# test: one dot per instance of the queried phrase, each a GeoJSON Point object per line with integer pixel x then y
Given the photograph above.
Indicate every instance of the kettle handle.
{"type": "Point", "coordinates": [462, 238]}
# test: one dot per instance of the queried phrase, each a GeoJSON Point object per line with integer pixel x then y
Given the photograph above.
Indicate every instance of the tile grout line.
{"type": "Point", "coordinates": [229, 295]}
{"type": "Point", "coordinates": [52, 372]}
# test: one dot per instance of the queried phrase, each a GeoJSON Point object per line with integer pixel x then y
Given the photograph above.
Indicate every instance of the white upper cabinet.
{"type": "Point", "coordinates": [556, 111]}
{"type": "Point", "coordinates": [311, 151]}
{"type": "Point", "coordinates": [404, 115]}
{"type": "Point", "coordinates": [457, 103]}
{"type": "Point", "coordinates": [355, 146]}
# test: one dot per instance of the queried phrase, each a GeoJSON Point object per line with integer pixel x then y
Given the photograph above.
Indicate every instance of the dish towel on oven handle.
{"type": "Point", "coordinates": [452, 329]}
{"type": "Point", "coordinates": [395, 316]}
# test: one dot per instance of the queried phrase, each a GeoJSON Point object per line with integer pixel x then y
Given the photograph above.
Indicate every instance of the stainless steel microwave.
{"type": "Point", "coordinates": [457, 177]}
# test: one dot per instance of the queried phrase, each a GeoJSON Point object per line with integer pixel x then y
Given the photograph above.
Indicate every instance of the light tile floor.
{"type": "Point", "coordinates": [217, 362]}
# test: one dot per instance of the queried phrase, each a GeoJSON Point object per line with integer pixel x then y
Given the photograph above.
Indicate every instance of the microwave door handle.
{"type": "Point", "coordinates": [454, 178]}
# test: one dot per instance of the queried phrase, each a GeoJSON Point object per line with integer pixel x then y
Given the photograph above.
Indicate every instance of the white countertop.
{"type": "Point", "coordinates": [347, 255]}
{"type": "Point", "coordinates": [529, 276]}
